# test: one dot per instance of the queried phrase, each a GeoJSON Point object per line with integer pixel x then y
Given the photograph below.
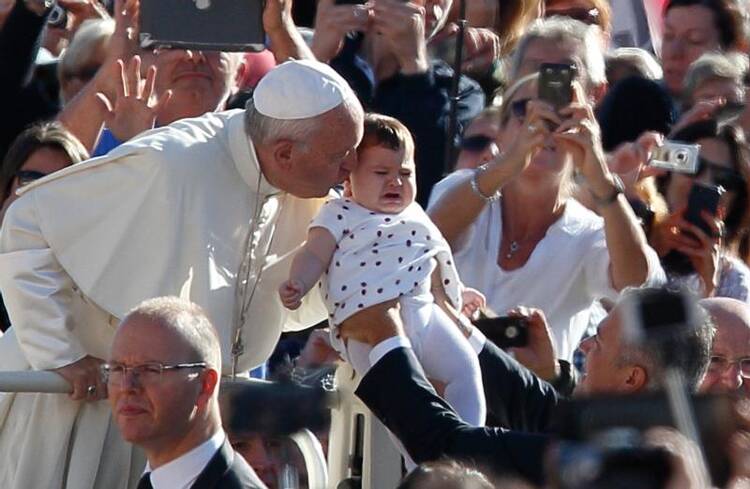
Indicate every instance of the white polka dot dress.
{"type": "Point", "coordinates": [380, 257]}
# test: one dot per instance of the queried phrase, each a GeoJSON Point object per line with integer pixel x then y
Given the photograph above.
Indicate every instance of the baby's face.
{"type": "Point", "coordinates": [383, 180]}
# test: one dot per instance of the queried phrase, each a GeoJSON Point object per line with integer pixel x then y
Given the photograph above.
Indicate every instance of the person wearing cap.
{"type": "Point", "coordinates": [209, 209]}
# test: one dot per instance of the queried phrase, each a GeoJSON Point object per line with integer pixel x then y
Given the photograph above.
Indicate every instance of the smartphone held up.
{"type": "Point", "coordinates": [211, 25]}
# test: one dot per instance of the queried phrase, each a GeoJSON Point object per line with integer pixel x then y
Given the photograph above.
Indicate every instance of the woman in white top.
{"type": "Point", "coordinates": [520, 238]}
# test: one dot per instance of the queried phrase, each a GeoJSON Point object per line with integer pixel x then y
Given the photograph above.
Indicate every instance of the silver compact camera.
{"type": "Point", "coordinates": [677, 157]}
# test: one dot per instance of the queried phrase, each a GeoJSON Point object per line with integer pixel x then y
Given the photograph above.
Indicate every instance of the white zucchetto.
{"type": "Point", "coordinates": [300, 89]}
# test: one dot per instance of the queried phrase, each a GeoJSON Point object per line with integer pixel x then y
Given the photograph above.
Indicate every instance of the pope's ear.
{"type": "Point", "coordinates": [283, 151]}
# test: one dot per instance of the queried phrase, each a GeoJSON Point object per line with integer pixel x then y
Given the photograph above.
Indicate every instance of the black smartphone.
{"type": "Point", "coordinates": [703, 198]}
{"type": "Point", "coordinates": [505, 332]}
{"type": "Point", "coordinates": [211, 25]}
{"type": "Point", "coordinates": [556, 83]}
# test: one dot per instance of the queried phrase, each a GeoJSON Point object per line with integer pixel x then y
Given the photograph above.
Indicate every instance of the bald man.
{"type": "Point", "coordinates": [163, 382]}
{"type": "Point", "coordinates": [731, 348]}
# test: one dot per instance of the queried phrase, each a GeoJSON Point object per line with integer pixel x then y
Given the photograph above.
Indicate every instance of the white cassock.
{"type": "Point", "coordinates": [182, 210]}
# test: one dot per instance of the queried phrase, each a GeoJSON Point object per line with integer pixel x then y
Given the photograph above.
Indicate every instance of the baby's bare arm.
{"type": "Point", "coordinates": [313, 258]}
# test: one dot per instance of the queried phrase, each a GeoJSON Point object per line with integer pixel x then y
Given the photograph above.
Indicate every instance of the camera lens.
{"type": "Point", "coordinates": [511, 332]}
{"type": "Point", "coordinates": [681, 156]}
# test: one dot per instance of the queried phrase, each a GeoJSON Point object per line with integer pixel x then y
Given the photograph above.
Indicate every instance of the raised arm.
{"type": "Point", "coordinates": [85, 114]}
{"type": "Point", "coordinates": [626, 242]}
{"type": "Point", "coordinates": [286, 41]}
{"type": "Point", "coordinates": [459, 206]}
{"type": "Point", "coordinates": [308, 266]}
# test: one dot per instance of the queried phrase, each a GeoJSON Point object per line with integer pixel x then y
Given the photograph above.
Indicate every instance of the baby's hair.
{"type": "Point", "coordinates": [381, 130]}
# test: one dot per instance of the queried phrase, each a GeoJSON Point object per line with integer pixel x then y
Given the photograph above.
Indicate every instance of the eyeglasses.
{"type": "Point", "coordinates": [145, 373]}
{"type": "Point", "coordinates": [588, 16]}
{"type": "Point", "coordinates": [477, 143]}
{"type": "Point", "coordinates": [730, 179]}
{"type": "Point", "coordinates": [25, 177]}
{"type": "Point", "coordinates": [721, 364]}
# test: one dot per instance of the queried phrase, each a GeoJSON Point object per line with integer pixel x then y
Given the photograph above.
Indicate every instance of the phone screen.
{"type": "Point", "coordinates": [702, 198]}
{"type": "Point", "coordinates": [556, 83]}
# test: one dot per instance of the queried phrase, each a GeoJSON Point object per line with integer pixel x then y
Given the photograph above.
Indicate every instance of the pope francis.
{"type": "Point", "coordinates": [210, 209]}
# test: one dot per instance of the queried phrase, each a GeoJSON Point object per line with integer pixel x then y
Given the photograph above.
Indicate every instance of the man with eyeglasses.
{"type": "Point", "coordinates": [163, 384]}
{"type": "Point", "coordinates": [730, 355]}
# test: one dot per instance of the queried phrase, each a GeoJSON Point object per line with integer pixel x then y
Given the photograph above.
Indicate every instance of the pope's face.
{"type": "Point", "coordinates": [329, 154]}
{"type": "Point", "coordinates": [154, 411]}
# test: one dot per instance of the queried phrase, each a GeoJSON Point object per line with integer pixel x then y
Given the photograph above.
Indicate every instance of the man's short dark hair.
{"type": "Point", "coordinates": [688, 350]}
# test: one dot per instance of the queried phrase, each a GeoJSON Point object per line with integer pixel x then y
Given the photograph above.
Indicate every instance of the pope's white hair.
{"type": "Point", "coordinates": [186, 320]}
{"type": "Point", "coordinates": [264, 130]}
{"type": "Point", "coordinates": [562, 29]}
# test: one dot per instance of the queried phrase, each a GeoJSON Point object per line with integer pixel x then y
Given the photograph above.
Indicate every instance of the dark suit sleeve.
{"type": "Point", "coordinates": [397, 392]}
{"type": "Point", "coordinates": [227, 470]}
{"type": "Point", "coordinates": [516, 398]}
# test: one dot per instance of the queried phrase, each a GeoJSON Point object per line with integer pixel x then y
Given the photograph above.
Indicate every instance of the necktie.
{"type": "Point", "coordinates": [145, 482]}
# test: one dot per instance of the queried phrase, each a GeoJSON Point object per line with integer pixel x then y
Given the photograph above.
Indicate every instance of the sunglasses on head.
{"type": "Point", "coordinates": [476, 143]}
{"type": "Point", "coordinates": [25, 177]}
{"type": "Point", "coordinates": [586, 15]}
{"type": "Point", "coordinates": [721, 175]}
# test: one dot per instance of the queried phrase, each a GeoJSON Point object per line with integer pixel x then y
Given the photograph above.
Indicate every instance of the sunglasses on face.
{"type": "Point", "coordinates": [25, 177]}
{"type": "Point", "coordinates": [721, 175]}
{"type": "Point", "coordinates": [518, 108]}
{"type": "Point", "coordinates": [476, 143]}
{"type": "Point", "coordinates": [588, 16]}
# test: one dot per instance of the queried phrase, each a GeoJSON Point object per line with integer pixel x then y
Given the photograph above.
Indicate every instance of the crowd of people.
{"type": "Point", "coordinates": [359, 192]}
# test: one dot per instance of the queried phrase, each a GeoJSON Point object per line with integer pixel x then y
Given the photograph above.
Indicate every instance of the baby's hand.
{"type": "Point", "coordinates": [290, 293]}
{"type": "Point", "coordinates": [473, 301]}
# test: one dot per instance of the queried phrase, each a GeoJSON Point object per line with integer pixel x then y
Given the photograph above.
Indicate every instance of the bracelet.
{"type": "Point", "coordinates": [475, 185]}
{"type": "Point", "coordinates": [618, 188]}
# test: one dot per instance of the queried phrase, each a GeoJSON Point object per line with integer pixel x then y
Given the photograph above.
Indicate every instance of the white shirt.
{"type": "Point", "coordinates": [566, 272]}
{"type": "Point", "coordinates": [183, 471]}
{"type": "Point", "coordinates": [380, 257]}
{"type": "Point", "coordinates": [175, 211]}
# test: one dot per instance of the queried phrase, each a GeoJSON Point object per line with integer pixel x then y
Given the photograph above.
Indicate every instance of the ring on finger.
{"type": "Point", "coordinates": [532, 127]}
{"type": "Point", "coordinates": [91, 390]}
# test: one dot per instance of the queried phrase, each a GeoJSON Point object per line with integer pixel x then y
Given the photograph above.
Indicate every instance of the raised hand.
{"type": "Point", "coordinates": [332, 23]}
{"type": "Point", "coordinates": [402, 27]}
{"type": "Point", "coordinates": [136, 105]}
{"type": "Point", "coordinates": [539, 355]}
{"type": "Point", "coordinates": [630, 160]}
{"type": "Point", "coordinates": [82, 10]}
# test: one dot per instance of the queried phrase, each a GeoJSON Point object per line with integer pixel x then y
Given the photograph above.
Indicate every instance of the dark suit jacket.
{"type": "Point", "coordinates": [516, 398]}
{"type": "Point", "coordinates": [227, 470]}
{"type": "Point", "coordinates": [397, 392]}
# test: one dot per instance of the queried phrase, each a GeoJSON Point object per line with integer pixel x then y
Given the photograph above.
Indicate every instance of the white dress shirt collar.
{"type": "Point", "coordinates": [183, 471]}
{"type": "Point", "coordinates": [246, 159]}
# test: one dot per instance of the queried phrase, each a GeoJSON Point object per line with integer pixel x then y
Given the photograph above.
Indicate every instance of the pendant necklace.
{"type": "Point", "coordinates": [513, 248]}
